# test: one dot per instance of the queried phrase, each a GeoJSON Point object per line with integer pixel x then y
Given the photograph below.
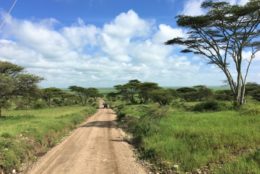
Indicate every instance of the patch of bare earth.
{"type": "Point", "coordinates": [97, 147]}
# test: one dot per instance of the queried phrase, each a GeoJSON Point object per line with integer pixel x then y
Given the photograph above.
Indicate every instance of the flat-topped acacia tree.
{"type": "Point", "coordinates": [15, 82]}
{"type": "Point", "coordinates": [221, 36]}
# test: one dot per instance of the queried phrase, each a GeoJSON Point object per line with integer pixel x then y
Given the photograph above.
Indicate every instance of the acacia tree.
{"type": "Point", "coordinates": [14, 82]}
{"type": "Point", "coordinates": [221, 36]}
{"type": "Point", "coordinates": [144, 90]}
{"type": "Point", "coordinates": [49, 93]}
{"type": "Point", "coordinates": [6, 88]}
{"type": "Point", "coordinates": [26, 87]}
{"type": "Point", "coordinates": [84, 93]}
{"type": "Point", "coordinates": [129, 90]}
{"type": "Point", "coordinates": [79, 92]}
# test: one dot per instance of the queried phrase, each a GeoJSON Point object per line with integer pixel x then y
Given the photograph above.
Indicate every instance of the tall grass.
{"type": "Point", "coordinates": [197, 141]}
{"type": "Point", "coordinates": [26, 134]}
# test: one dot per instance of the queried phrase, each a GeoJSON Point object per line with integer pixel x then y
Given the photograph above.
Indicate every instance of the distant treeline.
{"type": "Point", "coordinates": [20, 90]}
{"type": "Point", "coordinates": [136, 92]}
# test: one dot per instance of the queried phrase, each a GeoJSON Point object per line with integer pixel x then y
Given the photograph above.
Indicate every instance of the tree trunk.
{"type": "Point", "coordinates": [238, 89]}
{"type": "Point", "coordinates": [240, 97]}
{"type": "Point", "coordinates": [0, 111]}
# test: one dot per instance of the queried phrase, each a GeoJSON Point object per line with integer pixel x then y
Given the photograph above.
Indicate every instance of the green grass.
{"type": "Point", "coordinates": [50, 112]}
{"type": "Point", "coordinates": [194, 141]}
{"type": "Point", "coordinates": [25, 134]}
{"type": "Point", "coordinates": [106, 90]}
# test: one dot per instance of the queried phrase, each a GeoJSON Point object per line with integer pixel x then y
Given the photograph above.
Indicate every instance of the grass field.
{"type": "Point", "coordinates": [108, 90]}
{"type": "Point", "coordinates": [25, 134]}
{"type": "Point", "coordinates": [220, 142]}
{"type": "Point", "coordinates": [105, 90]}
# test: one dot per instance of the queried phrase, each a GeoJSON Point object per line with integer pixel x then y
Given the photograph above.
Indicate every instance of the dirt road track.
{"type": "Point", "coordinates": [97, 147]}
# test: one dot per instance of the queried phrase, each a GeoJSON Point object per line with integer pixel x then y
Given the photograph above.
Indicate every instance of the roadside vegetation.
{"type": "Point", "coordinates": [32, 120]}
{"type": "Point", "coordinates": [191, 129]}
{"type": "Point", "coordinates": [222, 36]}
{"type": "Point", "coordinates": [28, 134]}
{"type": "Point", "coordinates": [184, 130]}
{"type": "Point", "coordinates": [196, 129]}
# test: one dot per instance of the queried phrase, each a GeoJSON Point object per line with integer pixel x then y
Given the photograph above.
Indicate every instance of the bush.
{"type": "Point", "coordinates": [256, 157]}
{"type": "Point", "coordinates": [161, 96]}
{"type": "Point", "coordinates": [120, 116]}
{"type": "Point", "coordinates": [209, 106]}
{"type": "Point", "coordinates": [39, 105]}
{"type": "Point", "coordinates": [256, 94]}
{"type": "Point", "coordinates": [224, 95]}
{"type": "Point", "coordinates": [249, 111]}
{"type": "Point", "coordinates": [156, 111]}
{"type": "Point", "coordinates": [21, 105]}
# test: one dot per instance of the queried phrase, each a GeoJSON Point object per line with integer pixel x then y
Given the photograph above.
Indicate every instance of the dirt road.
{"type": "Point", "coordinates": [97, 147]}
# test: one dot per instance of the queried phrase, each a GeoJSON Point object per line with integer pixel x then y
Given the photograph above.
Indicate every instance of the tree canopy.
{"type": "Point", "coordinates": [15, 82]}
{"type": "Point", "coordinates": [222, 35]}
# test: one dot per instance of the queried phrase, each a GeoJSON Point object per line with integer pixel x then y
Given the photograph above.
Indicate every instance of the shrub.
{"type": "Point", "coordinates": [225, 95]}
{"type": "Point", "coordinates": [120, 116]}
{"type": "Point", "coordinates": [209, 106]}
{"type": "Point", "coordinates": [256, 94]}
{"type": "Point", "coordinates": [21, 104]}
{"type": "Point", "coordinates": [39, 105]}
{"type": "Point", "coordinates": [256, 157]}
{"type": "Point", "coordinates": [161, 96]}
{"type": "Point", "coordinates": [156, 111]}
{"type": "Point", "coordinates": [249, 111]}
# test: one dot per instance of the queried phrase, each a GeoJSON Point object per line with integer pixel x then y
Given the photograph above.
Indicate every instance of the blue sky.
{"type": "Point", "coordinates": [94, 11]}
{"type": "Point", "coordinates": [102, 43]}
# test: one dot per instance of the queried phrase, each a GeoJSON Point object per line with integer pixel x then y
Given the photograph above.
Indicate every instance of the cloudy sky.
{"type": "Point", "coordinates": [101, 43]}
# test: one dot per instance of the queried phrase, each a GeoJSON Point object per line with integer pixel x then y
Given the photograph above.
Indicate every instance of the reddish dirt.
{"type": "Point", "coordinates": [96, 147]}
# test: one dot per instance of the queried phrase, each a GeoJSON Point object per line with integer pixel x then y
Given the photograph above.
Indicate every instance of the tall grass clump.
{"type": "Point", "coordinates": [195, 141]}
{"type": "Point", "coordinates": [27, 134]}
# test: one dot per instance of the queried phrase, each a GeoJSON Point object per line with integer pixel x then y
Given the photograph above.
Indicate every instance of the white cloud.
{"type": "Point", "coordinates": [128, 47]}
{"type": "Point", "coordinates": [127, 25]}
{"type": "Point", "coordinates": [80, 35]}
{"type": "Point", "coordinates": [166, 31]}
{"type": "Point", "coordinates": [192, 7]}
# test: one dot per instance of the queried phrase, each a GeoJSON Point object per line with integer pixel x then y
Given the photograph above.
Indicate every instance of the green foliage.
{"type": "Point", "coordinates": [161, 96]}
{"type": "Point", "coordinates": [135, 92]}
{"type": "Point", "coordinates": [221, 35]}
{"type": "Point", "coordinates": [25, 134]}
{"type": "Point", "coordinates": [10, 69]}
{"type": "Point", "coordinates": [84, 94]}
{"type": "Point", "coordinates": [196, 93]}
{"type": "Point", "coordinates": [249, 163]}
{"type": "Point", "coordinates": [210, 106]}
{"type": "Point", "coordinates": [204, 141]}
{"type": "Point", "coordinates": [224, 95]}
{"type": "Point", "coordinates": [249, 110]}
{"type": "Point", "coordinates": [49, 94]}
{"type": "Point", "coordinates": [6, 89]}
{"type": "Point", "coordinates": [145, 91]}
{"type": "Point", "coordinates": [253, 89]}
{"type": "Point", "coordinates": [255, 156]}
{"type": "Point", "coordinates": [129, 91]}
{"type": "Point", "coordinates": [14, 82]}
{"type": "Point", "coordinates": [112, 96]}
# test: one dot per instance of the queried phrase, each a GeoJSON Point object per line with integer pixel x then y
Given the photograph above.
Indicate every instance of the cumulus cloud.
{"type": "Point", "coordinates": [192, 7]}
{"type": "Point", "coordinates": [128, 47]}
{"type": "Point", "coordinates": [166, 31]}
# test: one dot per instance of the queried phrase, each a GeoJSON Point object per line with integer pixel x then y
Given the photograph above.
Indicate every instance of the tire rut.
{"type": "Point", "coordinates": [96, 147]}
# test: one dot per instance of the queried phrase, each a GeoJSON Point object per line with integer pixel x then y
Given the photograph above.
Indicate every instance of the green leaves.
{"type": "Point", "coordinates": [221, 36]}
{"type": "Point", "coordinates": [14, 82]}
{"type": "Point", "coordinates": [10, 69]}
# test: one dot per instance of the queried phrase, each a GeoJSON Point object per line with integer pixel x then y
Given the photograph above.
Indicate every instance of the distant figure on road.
{"type": "Point", "coordinates": [105, 105]}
